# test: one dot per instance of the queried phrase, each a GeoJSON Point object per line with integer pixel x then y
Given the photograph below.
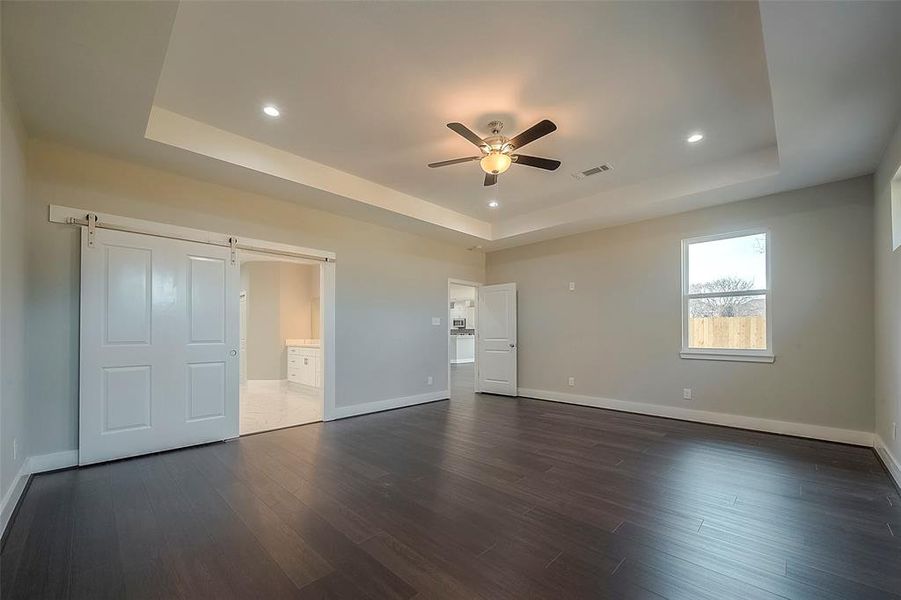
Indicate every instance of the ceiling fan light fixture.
{"type": "Point", "coordinates": [497, 151]}
{"type": "Point", "coordinates": [495, 162]}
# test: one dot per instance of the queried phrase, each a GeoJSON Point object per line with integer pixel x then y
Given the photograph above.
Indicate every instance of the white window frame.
{"type": "Point", "coordinates": [730, 354]}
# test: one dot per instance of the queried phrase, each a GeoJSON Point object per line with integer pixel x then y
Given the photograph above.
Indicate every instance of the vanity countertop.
{"type": "Point", "coordinates": [301, 343]}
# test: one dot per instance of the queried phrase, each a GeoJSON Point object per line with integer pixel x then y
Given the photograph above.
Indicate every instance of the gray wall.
{"type": "Point", "coordinates": [888, 302]}
{"type": "Point", "coordinates": [12, 287]}
{"type": "Point", "coordinates": [389, 283]}
{"type": "Point", "coordinates": [279, 307]}
{"type": "Point", "coordinates": [619, 333]}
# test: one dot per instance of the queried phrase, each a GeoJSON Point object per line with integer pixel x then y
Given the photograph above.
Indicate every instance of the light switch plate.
{"type": "Point", "coordinates": [686, 393]}
{"type": "Point", "coordinates": [436, 320]}
{"type": "Point", "coordinates": [572, 286]}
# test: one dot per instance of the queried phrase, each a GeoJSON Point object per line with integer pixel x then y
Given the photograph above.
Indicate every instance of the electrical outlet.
{"type": "Point", "coordinates": [436, 320]}
{"type": "Point", "coordinates": [572, 286]}
{"type": "Point", "coordinates": [429, 380]}
{"type": "Point", "coordinates": [15, 449]}
{"type": "Point", "coordinates": [572, 381]}
{"type": "Point", "coordinates": [686, 393]}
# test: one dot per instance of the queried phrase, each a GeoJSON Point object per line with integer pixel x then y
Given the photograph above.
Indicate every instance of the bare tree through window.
{"type": "Point", "coordinates": [724, 306]}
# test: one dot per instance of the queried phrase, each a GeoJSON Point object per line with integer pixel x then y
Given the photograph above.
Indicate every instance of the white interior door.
{"type": "Point", "coordinates": [497, 344]}
{"type": "Point", "coordinates": [159, 340]}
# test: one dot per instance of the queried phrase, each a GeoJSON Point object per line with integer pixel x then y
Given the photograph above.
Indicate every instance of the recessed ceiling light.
{"type": "Point", "coordinates": [271, 110]}
{"type": "Point", "coordinates": [493, 204]}
{"type": "Point", "coordinates": [695, 138]}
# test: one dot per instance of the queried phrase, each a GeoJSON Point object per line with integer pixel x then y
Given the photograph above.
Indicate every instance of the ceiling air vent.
{"type": "Point", "coordinates": [592, 171]}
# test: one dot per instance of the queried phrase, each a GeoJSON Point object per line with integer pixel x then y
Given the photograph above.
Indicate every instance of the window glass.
{"type": "Point", "coordinates": [727, 265]}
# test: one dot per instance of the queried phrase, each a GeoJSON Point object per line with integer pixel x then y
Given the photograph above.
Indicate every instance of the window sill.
{"type": "Point", "coordinates": [729, 356]}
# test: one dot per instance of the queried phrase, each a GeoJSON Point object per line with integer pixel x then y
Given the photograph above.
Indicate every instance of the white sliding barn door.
{"type": "Point", "coordinates": [497, 339]}
{"type": "Point", "coordinates": [159, 339]}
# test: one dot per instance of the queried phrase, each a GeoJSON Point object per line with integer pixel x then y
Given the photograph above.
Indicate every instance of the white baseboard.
{"type": "Point", "coordinates": [890, 460]}
{"type": "Point", "coordinates": [462, 361]}
{"type": "Point", "coordinates": [818, 432]}
{"type": "Point", "coordinates": [51, 462]}
{"type": "Point", "coordinates": [342, 412]}
{"type": "Point", "coordinates": [31, 466]}
{"type": "Point", "coordinates": [11, 497]}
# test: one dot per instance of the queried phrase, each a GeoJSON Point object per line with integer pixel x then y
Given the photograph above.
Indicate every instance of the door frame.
{"type": "Point", "coordinates": [89, 219]}
{"type": "Point", "coordinates": [242, 339]}
{"type": "Point", "coordinates": [477, 286]}
{"type": "Point", "coordinates": [326, 299]}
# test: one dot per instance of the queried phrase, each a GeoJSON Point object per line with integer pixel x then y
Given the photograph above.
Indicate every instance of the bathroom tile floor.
{"type": "Point", "coordinates": [272, 404]}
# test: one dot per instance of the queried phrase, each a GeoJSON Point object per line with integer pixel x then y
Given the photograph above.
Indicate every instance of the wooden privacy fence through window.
{"type": "Point", "coordinates": [727, 332]}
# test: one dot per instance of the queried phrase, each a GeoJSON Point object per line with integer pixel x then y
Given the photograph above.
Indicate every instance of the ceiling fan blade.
{"type": "Point", "coordinates": [490, 179]}
{"type": "Point", "coordinates": [534, 161]}
{"type": "Point", "coordinates": [454, 161]}
{"type": "Point", "coordinates": [466, 132]}
{"type": "Point", "coordinates": [532, 133]}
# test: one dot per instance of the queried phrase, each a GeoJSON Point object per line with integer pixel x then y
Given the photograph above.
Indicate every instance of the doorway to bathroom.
{"type": "Point", "coordinates": [281, 354]}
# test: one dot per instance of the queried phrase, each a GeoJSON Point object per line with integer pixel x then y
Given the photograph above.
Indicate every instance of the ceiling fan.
{"type": "Point", "coordinates": [498, 152]}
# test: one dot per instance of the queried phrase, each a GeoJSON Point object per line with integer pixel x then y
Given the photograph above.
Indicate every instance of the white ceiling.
{"type": "Point", "coordinates": [369, 88]}
{"type": "Point", "coordinates": [787, 94]}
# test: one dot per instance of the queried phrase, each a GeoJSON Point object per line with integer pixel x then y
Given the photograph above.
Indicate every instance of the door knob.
{"type": "Point", "coordinates": [234, 353]}
{"type": "Point", "coordinates": [513, 345]}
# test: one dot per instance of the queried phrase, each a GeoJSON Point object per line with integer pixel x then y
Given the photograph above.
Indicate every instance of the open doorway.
{"type": "Point", "coordinates": [462, 297]}
{"type": "Point", "coordinates": [281, 354]}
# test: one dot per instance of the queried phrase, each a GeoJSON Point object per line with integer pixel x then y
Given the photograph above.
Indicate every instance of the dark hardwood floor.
{"type": "Point", "coordinates": [479, 497]}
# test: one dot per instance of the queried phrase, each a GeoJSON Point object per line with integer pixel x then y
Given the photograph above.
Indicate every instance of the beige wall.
{"type": "Point", "coordinates": [296, 305]}
{"type": "Point", "coordinates": [12, 289]}
{"type": "Point", "coordinates": [619, 334]}
{"type": "Point", "coordinates": [888, 302]}
{"type": "Point", "coordinates": [389, 283]}
{"type": "Point", "coordinates": [264, 352]}
{"type": "Point", "coordinates": [279, 307]}
{"type": "Point", "coordinates": [315, 314]}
